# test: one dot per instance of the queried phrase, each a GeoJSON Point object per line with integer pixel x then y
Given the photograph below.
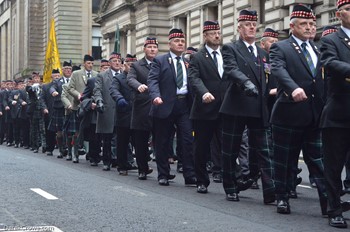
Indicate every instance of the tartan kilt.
{"type": "Point", "coordinates": [56, 121]}
{"type": "Point", "coordinates": [72, 122]}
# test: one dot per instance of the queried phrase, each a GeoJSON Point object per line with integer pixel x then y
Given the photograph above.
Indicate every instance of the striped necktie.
{"type": "Point", "coordinates": [308, 59]}
{"type": "Point", "coordinates": [179, 73]}
{"type": "Point", "coordinates": [215, 58]}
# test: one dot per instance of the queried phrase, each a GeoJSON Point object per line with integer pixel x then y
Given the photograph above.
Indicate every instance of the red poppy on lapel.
{"type": "Point", "coordinates": [264, 59]}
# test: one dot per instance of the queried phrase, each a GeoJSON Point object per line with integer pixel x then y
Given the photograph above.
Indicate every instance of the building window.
{"type": "Point", "coordinates": [96, 43]}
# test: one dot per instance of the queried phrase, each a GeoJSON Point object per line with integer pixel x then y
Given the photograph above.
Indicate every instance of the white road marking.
{"type": "Point", "coordinates": [130, 191]}
{"type": "Point", "coordinates": [304, 186]}
{"type": "Point", "coordinates": [44, 194]}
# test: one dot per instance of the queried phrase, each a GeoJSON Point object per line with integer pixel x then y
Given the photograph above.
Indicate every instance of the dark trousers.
{"type": "Point", "coordinates": [215, 151]}
{"type": "Point", "coordinates": [124, 137]}
{"type": "Point", "coordinates": [9, 134]}
{"type": "Point", "coordinates": [94, 143]}
{"type": "Point", "coordinates": [346, 182]}
{"type": "Point", "coordinates": [259, 152]}
{"type": "Point", "coordinates": [288, 142]}
{"type": "Point", "coordinates": [163, 130]}
{"type": "Point", "coordinates": [106, 139]}
{"type": "Point", "coordinates": [204, 131]}
{"type": "Point", "coordinates": [21, 131]}
{"type": "Point", "coordinates": [335, 146]}
{"type": "Point", "coordinates": [50, 136]}
{"type": "Point", "coordinates": [243, 156]}
{"type": "Point", "coordinates": [141, 149]}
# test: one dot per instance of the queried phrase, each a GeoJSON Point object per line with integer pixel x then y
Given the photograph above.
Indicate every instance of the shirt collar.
{"type": "Point", "coordinates": [346, 30]}
{"type": "Point", "coordinates": [247, 44]}
{"type": "Point", "coordinates": [173, 56]}
{"type": "Point", "coordinates": [210, 50]}
{"type": "Point", "coordinates": [299, 41]}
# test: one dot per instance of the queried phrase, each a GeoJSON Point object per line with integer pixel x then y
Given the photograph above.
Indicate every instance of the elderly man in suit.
{"type": "Point", "coordinates": [141, 122]}
{"type": "Point", "coordinates": [335, 119]}
{"type": "Point", "coordinates": [170, 94]}
{"type": "Point", "coordinates": [296, 67]}
{"type": "Point", "coordinates": [106, 107]}
{"type": "Point", "coordinates": [245, 105]}
{"type": "Point", "coordinates": [205, 75]}
{"type": "Point", "coordinates": [76, 87]}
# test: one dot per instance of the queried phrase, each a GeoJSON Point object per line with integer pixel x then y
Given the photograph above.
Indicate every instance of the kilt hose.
{"type": "Point", "coordinates": [260, 152]}
{"type": "Point", "coordinates": [288, 142]}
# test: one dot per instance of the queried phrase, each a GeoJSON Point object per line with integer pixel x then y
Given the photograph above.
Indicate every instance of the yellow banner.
{"type": "Point", "coordinates": [52, 57]}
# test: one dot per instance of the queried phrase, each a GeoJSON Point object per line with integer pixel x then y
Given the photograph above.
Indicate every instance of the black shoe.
{"type": "Point", "coordinates": [283, 207]}
{"type": "Point", "coordinates": [9, 144]}
{"type": "Point", "coordinates": [191, 181]}
{"type": "Point", "coordinates": [217, 178]}
{"type": "Point", "coordinates": [314, 185]}
{"type": "Point", "coordinates": [150, 170]}
{"type": "Point", "coordinates": [69, 157]}
{"type": "Point", "coordinates": [16, 146]}
{"type": "Point", "coordinates": [60, 156]}
{"type": "Point", "coordinates": [299, 170]}
{"type": "Point", "coordinates": [244, 184]}
{"type": "Point", "coordinates": [163, 182]}
{"type": "Point", "coordinates": [32, 149]}
{"type": "Point", "coordinates": [49, 153]}
{"type": "Point", "coordinates": [179, 169]}
{"type": "Point", "coordinates": [142, 176]}
{"type": "Point", "coordinates": [298, 180]}
{"type": "Point", "coordinates": [35, 151]}
{"type": "Point", "coordinates": [106, 168]}
{"type": "Point", "coordinates": [255, 185]}
{"type": "Point", "coordinates": [293, 194]}
{"type": "Point", "coordinates": [132, 166]}
{"type": "Point", "coordinates": [202, 189]}
{"type": "Point", "coordinates": [232, 197]}
{"type": "Point", "coordinates": [44, 150]}
{"type": "Point", "coordinates": [81, 151]}
{"type": "Point", "coordinates": [268, 199]}
{"type": "Point", "coordinates": [93, 164]}
{"type": "Point", "coordinates": [75, 159]}
{"type": "Point", "coordinates": [171, 177]}
{"type": "Point", "coordinates": [123, 172]}
{"type": "Point", "coordinates": [338, 222]}
{"type": "Point", "coordinates": [26, 147]}
{"type": "Point", "coordinates": [345, 206]}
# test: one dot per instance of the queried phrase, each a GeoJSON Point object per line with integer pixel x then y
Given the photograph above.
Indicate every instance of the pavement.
{"type": "Point", "coordinates": [42, 193]}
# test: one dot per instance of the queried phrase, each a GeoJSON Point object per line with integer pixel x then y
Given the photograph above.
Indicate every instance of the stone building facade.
{"type": "Point", "coordinates": [24, 29]}
{"type": "Point", "coordinates": [140, 18]}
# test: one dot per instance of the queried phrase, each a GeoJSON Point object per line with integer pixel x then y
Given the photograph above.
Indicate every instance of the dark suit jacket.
{"type": "Point", "coordinates": [48, 99]}
{"type": "Point", "coordinates": [161, 83]}
{"type": "Point", "coordinates": [290, 68]}
{"type": "Point", "coordinates": [204, 77]}
{"type": "Point", "coordinates": [88, 116]}
{"type": "Point", "coordinates": [57, 87]}
{"type": "Point", "coordinates": [240, 67]}
{"type": "Point", "coordinates": [335, 58]}
{"type": "Point", "coordinates": [141, 104]}
{"type": "Point", "coordinates": [118, 90]}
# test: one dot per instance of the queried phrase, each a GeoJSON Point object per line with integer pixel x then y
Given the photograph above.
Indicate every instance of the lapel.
{"type": "Point", "coordinates": [83, 76]}
{"type": "Point", "coordinates": [318, 54]}
{"type": "Point", "coordinates": [300, 53]}
{"type": "Point", "coordinates": [247, 57]}
{"type": "Point", "coordinates": [344, 38]}
{"type": "Point", "coordinates": [170, 63]}
{"type": "Point", "coordinates": [143, 63]}
{"type": "Point", "coordinates": [209, 60]}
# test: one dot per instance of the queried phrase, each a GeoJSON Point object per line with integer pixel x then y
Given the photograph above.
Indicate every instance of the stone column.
{"type": "Point", "coordinates": [3, 51]}
{"type": "Point", "coordinates": [9, 49]}
{"type": "Point", "coordinates": [219, 2]}
{"type": "Point", "coordinates": [188, 28]}
{"type": "Point", "coordinates": [201, 21]}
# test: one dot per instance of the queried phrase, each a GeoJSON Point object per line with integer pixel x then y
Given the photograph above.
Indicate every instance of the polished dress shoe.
{"type": "Point", "coordinates": [202, 189]}
{"type": "Point", "coordinates": [217, 178]}
{"type": "Point", "coordinates": [69, 157]}
{"type": "Point", "coordinates": [132, 166]}
{"type": "Point", "coordinates": [232, 197]}
{"type": "Point", "coordinates": [298, 180]}
{"type": "Point", "coordinates": [150, 170]}
{"type": "Point", "coordinates": [16, 146]}
{"type": "Point", "coordinates": [179, 169]}
{"type": "Point", "coordinates": [49, 153]}
{"type": "Point", "coordinates": [345, 206]}
{"type": "Point", "coordinates": [9, 144]}
{"type": "Point", "coordinates": [255, 185]}
{"type": "Point", "coordinates": [293, 194]}
{"type": "Point", "coordinates": [346, 190]}
{"type": "Point", "coordinates": [244, 183]}
{"type": "Point", "coordinates": [191, 181]}
{"type": "Point", "coordinates": [43, 149]}
{"type": "Point", "coordinates": [81, 151]}
{"type": "Point", "coordinates": [93, 164]}
{"type": "Point", "coordinates": [75, 159]}
{"type": "Point", "coordinates": [106, 167]}
{"type": "Point", "coordinates": [268, 199]}
{"type": "Point", "coordinates": [283, 207]}
{"type": "Point", "coordinates": [142, 176]}
{"type": "Point", "coordinates": [35, 151]}
{"type": "Point", "coordinates": [123, 172]}
{"type": "Point", "coordinates": [338, 222]}
{"type": "Point", "coordinates": [171, 177]}
{"type": "Point", "coordinates": [26, 147]}
{"type": "Point", "coordinates": [60, 156]}
{"type": "Point", "coordinates": [163, 182]}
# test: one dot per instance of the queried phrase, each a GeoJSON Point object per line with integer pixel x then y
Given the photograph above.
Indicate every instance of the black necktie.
{"type": "Point", "coordinates": [251, 49]}
{"type": "Point", "coordinates": [179, 73]}
{"type": "Point", "coordinates": [88, 74]}
{"type": "Point", "coordinates": [308, 58]}
{"type": "Point", "coordinates": [215, 58]}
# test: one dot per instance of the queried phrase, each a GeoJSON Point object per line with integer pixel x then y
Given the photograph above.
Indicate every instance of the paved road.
{"type": "Point", "coordinates": [89, 199]}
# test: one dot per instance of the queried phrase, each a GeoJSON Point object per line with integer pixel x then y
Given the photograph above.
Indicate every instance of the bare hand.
{"type": "Point", "coordinates": [54, 94]}
{"type": "Point", "coordinates": [273, 92]}
{"type": "Point", "coordinates": [142, 88]}
{"type": "Point", "coordinates": [45, 111]}
{"type": "Point", "coordinates": [208, 97]}
{"type": "Point", "coordinates": [14, 102]}
{"type": "Point", "coordinates": [7, 108]}
{"type": "Point", "coordinates": [157, 101]}
{"type": "Point", "coordinates": [299, 95]}
{"type": "Point", "coordinates": [93, 106]}
{"type": "Point", "coordinates": [69, 107]}
{"type": "Point", "coordinates": [24, 103]}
